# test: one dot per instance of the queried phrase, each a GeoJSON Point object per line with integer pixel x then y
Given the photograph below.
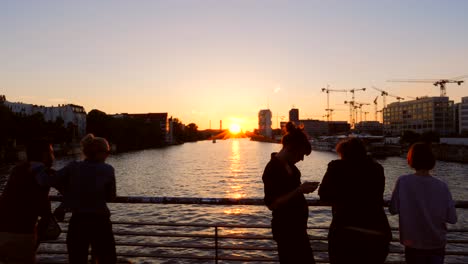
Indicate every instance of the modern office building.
{"type": "Point", "coordinates": [264, 123]}
{"type": "Point", "coordinates": [421, 115]}
{"type": "Point", "coordinates": [463, 116]}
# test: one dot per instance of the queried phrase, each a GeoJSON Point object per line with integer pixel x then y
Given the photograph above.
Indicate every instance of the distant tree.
{"type": "Point", "coordinates": [98, 123]}
{"type": "Point", "coordinates": [191, 132]}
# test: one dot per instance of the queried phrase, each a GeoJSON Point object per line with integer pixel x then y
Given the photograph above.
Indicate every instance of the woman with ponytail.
{"type": "Point", "coordinates": [284, 196]}
{"type": "Point", "coordinates": [87, 186]}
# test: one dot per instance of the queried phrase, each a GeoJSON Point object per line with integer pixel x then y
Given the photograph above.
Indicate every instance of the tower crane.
{"type": "Point", "coordinates": [375, 107]}
{"type": "Point", "coordinates": [436, 82]}
{"type": "Point", "coordinates": [384, 95]}
{"type": "Point", "coordinates": [359, 105]}
{"type": "Point", "coordinates": [329, 114]}
{"type": "Point", "coordinates": [351, 110]}
{"type": "Point", "coordinates": [365, 116]}
{"type": "Point", "coordinates": [327, 90]}
{"type": "Point", "coordinates": [355, 90]}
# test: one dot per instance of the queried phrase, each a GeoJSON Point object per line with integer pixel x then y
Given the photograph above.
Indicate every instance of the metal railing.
{"type": "Point", "coordinates": [214, 243]}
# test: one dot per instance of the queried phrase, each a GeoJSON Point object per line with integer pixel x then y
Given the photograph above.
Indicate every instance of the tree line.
{"type": "Point", "coordinates": [126, 133]}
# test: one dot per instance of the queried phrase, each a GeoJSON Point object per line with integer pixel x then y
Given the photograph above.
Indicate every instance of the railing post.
{"type": "Point", "coordinates": [216, 244]}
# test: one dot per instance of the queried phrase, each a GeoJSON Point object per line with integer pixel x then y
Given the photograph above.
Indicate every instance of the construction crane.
{"type": "Point", "coordinates": [380, 111]}
{"type": "Point", "coordinates": [375, 107]}
{"type": "Point", "coordinates": [353, 108]}
{"type": "Point", "coordinates": [365, 116]}
{"type": "Point", "coordinates": [358, 105]}
{"type": "Point", "coordinates": [329, 114]}
{"type": "Point", "coordinates": [327, 90]}
{"type": "Point", "coordinates": [436, 82]}
{"type": "Point", "coordinates": [384, 95]}
{"type": "Point", "coordinates": [356, 90]}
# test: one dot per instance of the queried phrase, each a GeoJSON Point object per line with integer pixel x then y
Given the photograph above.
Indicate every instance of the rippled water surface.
{"type": "Point", "coordinates": [233, 169]}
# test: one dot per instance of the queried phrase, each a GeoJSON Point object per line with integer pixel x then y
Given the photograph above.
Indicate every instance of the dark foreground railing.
{"type": "Point", "coordinates": [218, 243]}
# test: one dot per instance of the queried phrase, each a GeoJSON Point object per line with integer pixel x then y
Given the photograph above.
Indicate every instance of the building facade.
{"type": "Point", "coordinates": [421, 115]}
{"type": "Point", "coordinates": [294, 115]}
{"type": "Point", "coordinates": [264, 123]}
{"type": "Point", "coordinates": [71, 114]}
{"type": "Point", "coordinates": [463, 116]}
{"type": "Point", "coordinates": [370, 127]}
{"type": "Point", "coordinates": [165, 124]}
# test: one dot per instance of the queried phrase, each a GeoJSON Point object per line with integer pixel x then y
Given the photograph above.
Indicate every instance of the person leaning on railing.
{"type": "Point", "coordinates": [424, 205]}
{"type": "Point", "coordinates": [24, 199]}
{"type": "Point", "coordinates": [359, 231]}
{"type": "Point", "coordinates": [87, 186]}
{"type": "Point", "coordinates": [284, 196]}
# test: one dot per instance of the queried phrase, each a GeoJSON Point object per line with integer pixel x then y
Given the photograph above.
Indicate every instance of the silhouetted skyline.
{"type": "Point", "coordinates": [226, 60]}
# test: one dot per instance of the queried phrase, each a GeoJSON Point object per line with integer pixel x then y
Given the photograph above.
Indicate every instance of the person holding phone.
{"type": "Point", "coordinates": [284, 196]}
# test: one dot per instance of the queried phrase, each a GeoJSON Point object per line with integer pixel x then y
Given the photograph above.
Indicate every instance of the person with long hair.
{"type": "Point", "coordinates": [25, 199]}
{"type": "Point", "coordinates": [284, 196]}
{"type": "Point", "coordinates": [425, 206]}
{"type": "Point", "coordinates": [354, 185]}
{"type": "Point", "coordinates": [87, 186]}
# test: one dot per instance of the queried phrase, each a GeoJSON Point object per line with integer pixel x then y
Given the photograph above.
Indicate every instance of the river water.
{"type": "Point", "coordinates": [233, 169]}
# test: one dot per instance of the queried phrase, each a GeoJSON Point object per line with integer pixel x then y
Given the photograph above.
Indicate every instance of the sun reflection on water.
{"type": "Point", "coordinates": [236, 185]}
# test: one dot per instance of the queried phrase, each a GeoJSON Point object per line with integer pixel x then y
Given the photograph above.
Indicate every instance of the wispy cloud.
{"type": "Point", "coordinates": [277, 89]}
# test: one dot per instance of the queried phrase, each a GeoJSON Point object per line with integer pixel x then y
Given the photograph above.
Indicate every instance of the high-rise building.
{"type": "Point", "coordinates": [463, 116]}
{"type": "Point", "coordinates": [421, 115]}
{"type": "Point", "coordinates": [294, 115]}
{"type": "Point", "coordinates": [264, 123]}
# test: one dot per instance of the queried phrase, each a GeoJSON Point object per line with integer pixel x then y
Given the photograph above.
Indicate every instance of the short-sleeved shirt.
{"type": "Point", "coordinates": [424, 205]}
{"type": "Point", "coordinates": [277, 182]}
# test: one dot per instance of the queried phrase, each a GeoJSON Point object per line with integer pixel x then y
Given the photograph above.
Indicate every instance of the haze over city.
{"type": "Point", "coordinates": [205, 61]}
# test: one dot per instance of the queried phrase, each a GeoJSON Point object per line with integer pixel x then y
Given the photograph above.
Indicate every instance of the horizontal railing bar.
{"type": "Point", "coordinates": [220, 257]}
{"type": "Point", "coordinates": [216, 201]}
{"type": "Point", "coordinates": [239, 226]}
{"type": "Point", "coordinates": [224, 245]}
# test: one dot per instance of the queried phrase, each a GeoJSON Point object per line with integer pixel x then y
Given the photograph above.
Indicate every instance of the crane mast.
{"type": "Point", "coordinates": [329, 110]}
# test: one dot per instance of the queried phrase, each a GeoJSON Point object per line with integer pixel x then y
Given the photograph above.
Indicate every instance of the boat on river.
{"type": "Point", "coordinates": [376, 145]}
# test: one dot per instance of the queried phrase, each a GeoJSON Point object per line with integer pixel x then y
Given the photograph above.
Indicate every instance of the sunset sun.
{"type": "Point", "coordinates": [234, 128]}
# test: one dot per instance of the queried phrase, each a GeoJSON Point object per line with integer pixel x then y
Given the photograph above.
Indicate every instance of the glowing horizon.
{"type": "Point", "coordinates": [203, 62]}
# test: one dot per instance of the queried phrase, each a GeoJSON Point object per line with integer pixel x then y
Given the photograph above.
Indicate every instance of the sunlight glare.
{"type": "Point", "coordinates": [235, 128]}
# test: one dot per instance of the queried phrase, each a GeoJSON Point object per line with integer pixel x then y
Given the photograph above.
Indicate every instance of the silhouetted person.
{"type": "Point", "coordinates": [24, 199]}
{"type": "Point", "coordinates": [424, 205]}
{"type": "Point", "coordinates": [86, 186]}
{"type": "Point", "coordinates": [284, 196]}
{"type": "Point", "coordinates": [359, 231]}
